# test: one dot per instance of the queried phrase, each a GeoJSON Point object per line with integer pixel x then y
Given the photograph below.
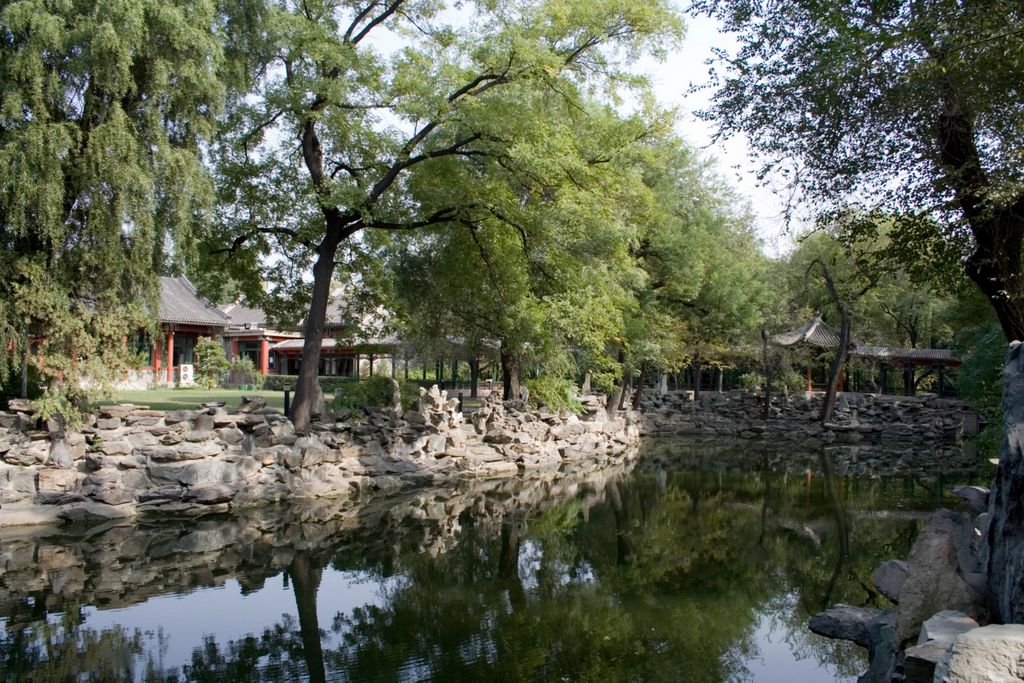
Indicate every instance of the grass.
{"type": "Point", "coordinates": [190, 399]}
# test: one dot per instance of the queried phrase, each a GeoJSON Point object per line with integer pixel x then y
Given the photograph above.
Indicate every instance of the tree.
{"type": "Point", "coordinates": [105, 106]}
{"type": "Point", "coordinates": [369, 141]}
{"type": "Point", "coordinates": [909, 106]}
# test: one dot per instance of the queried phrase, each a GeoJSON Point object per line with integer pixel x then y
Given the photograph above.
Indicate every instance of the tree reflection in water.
{"type": "Point", "coordinates": [662, 573]}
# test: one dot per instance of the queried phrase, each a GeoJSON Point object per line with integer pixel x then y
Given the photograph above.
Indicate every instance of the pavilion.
{"type": "Point", "coordinates": [817, 337]}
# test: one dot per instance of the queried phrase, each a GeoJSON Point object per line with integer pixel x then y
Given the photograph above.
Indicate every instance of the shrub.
{"type": "Point", "coordinates": [556, 393]}
{"type": "Point", "coordinates": [244, 371]}
{"type": "Point", "coordinates": [211, 363]}
{"type": "Point", "coordinates": [751, 381]}
{"type": "Point", "coordinates": [329, 385]}
{"type": "Point", "coordinates": [373, 392]}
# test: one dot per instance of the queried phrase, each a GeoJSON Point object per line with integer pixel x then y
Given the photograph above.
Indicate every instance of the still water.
{"type": "Point", "coordinates": [691, 563]}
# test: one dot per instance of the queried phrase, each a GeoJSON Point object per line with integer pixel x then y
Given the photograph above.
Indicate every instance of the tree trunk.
{"type": "Point", "coordinates": [766, 363]}
{"type": "Point", "coordinates": [23, 389]}
{"type": "Point", "coordinates": [305, 582]}
{"type": "Point", "coordinates": [474, 376]}
{"type": "Point", "coordinates": [614, 399]}
{"type": "Point", "coordinates": [696, 369]}
{"type": "Point", "coordinates": [510, 373]}
{"type": "Point", "coordinates": [837, 364]}
{"type": "Point", "coordinates": [640, 385]}
{"type": "Point", "coordinates": [306, 386]}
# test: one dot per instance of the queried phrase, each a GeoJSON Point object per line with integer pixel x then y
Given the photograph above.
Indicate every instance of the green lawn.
{"type": "Point", "coordinates": [190, 399]}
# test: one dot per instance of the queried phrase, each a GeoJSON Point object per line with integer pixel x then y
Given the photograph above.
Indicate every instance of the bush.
{"type": "Point", "coordinates": [751, 381]}
{"type": "Point", "coordinates": [245, 373]}
{"type": "Point", "coordinates": [373, 392]}
{"type": "Point", "coordinates": [556, 393]}
{"type": "Point", "coordinates": [211, 363]}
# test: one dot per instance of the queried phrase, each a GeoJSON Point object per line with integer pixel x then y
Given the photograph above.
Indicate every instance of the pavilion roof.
{"type": "Point", "coordinates": [812, 333]}
{"type": "Point", "coordinates": [180, 303]}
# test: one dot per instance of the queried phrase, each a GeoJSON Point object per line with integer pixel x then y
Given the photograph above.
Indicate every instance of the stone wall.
{"type": "Point", "coordinates": [128, 460]}
{"type": "Point", "coordinates": [794, 417]}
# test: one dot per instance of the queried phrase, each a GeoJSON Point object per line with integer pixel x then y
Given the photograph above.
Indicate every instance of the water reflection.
{"type": "Point", "coordinates": [695, 565]}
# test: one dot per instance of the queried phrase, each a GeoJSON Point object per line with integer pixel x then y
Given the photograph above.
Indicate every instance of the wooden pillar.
{"type": "Point", "coordinates": [371, 365]}
{"type": "Point", "coordinates": [942, 377]}
{"type": "Point", "coordinates": [885, 377]}
{"type": "Point", "coordinates": [234, 348]}
{"type": "Point", "coordinates": [156, 362]}
{"type": "Point", "coordinates": [810, 382]}
{"type": "Point", "coordinates": [170, 356]}
{"type": "Point", "coordinates": [264, 356]}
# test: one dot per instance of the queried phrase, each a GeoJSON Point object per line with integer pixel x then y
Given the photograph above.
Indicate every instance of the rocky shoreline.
{"type": "Point", "coordinates": [128, 461]}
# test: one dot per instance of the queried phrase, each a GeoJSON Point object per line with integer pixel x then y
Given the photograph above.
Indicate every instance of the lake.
{"type": "Point", "coordinates": [693, 562]}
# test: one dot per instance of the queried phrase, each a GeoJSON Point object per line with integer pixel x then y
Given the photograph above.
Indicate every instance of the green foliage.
{"type": "Point", "coordinates": [329, 385]}
{"type": "Point", "coordinates": [211, 364]}
{"type": "Point", "coordinates": [909, 110]}
{"type": "Point", "coordinates": [104, 108]}
{"type": "Point", "coordinates": [374, 393]}
{"type": "Point", "coordinates": [782, 380]}
{"type": "Point", "coordinates": [558, 394]}
{"type": "Point", "coordinates": [245, 373]}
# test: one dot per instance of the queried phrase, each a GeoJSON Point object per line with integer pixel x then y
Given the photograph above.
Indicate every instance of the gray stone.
{"type": "Point", "coordinates": [889, 578]}
{"type": "Point", "coordinates": [994, 654]}
{"type": "Point", "coordinates": [974, 497]}
{"type": "Point", "coordinates": [108, 423]}
{"type": "Point", "coordinates": [91, 512]}
{"type": "Point", "coordinates": [211, 495]}
{"type": "Point", "coordinates": [845, 622]}
{"type": "Point", "coordinates": [194, 473]}
{"type": "Point", "coordinates": [203, 422]}
{"type": "Point", "coordinates": [231, 435]}
{"type": "Point", "coordinates": [919, 661]}
{"type": "Point", "coordinates": [60, 455]}
{"type": "Point", "coordinates": [882, 650]}
{"type": "Point", "coordinates": [121, 447]}
{"type": "Point", "coordinates": [1006, 526]}
{"type": "Point", "coordinates": [176, 416]}
{"type": "Point", "coordinates": [945, 626]}
{"type": "Point", "coordinates": [935, 580]}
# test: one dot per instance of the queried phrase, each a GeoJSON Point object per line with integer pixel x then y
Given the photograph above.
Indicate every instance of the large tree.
{"type": "Point", "coordinates": [104, 108]}
{"type": "Point", "coordinates": [372, 138]}
{"type": "Point", "coordinates": [912, 106]}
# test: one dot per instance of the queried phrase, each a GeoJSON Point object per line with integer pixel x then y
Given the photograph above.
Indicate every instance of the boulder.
{"type": "Point", "coordinates": [994, 654]}
{"type": "Point", "coordinates": [889, 578]}
{"type": "Point", "coordinates": [975, 497]}
{"type": "Point", "coordinates": [945, 626]}
{"type": "Point", "coordinates": [845, 622]}
{"type": "Point", "coordinates": [935, 575]}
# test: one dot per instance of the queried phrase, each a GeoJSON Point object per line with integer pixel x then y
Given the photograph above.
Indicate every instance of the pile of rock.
{"type": "Point", "coordinates": [794, 416]}
{"type": "Point", "coordinates": [941, 599]}
{"type": "Point", "coordinates": [129, 460]}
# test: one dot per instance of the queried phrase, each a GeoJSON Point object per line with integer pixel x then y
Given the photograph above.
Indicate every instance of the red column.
{"type": "Point", "coordinates": [264, 356]}
{"type": "Point", "coordinates": [156, 362]}
{"type": "Point", "coordinates": [810, 385]}
{"type": "Point", "coordinates": [234, 348]}
{"type": "Point", "coordinates": [170, 356]}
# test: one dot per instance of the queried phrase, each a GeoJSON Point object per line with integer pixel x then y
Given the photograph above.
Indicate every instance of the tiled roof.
{"type": "Point", "coordinates": [331, 343]}
{"type": "Point", "coordinates": [945, 356]}
{"type": "Point", "coordinates": [244, 315]}
{"type": "Point", "coordinates": [813, 333]}
{"type": "Point", "coordinates": [179, 303]}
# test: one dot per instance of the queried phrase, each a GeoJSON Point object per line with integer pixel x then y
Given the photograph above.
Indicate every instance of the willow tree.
{"type": "Point", "coordinates": [367, 110]}
{"type": "Point", "coordinates": [910, 107]}
{"type": "Point", "coordinates": [104, 108]}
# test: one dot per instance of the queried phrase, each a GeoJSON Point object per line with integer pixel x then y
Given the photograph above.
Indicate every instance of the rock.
{"type": "Point", "coordinates": [58, 480]}
{"type": "Point", "coordinates": [994, 654]}
{"type": "Point", "coordinates": [60, 455]}
{"type": "Point", "coordinates": [210, 495]}
{"type": "Point", "coordinates": [889, 578]}
{"type": "Point", "coordinates": [91, 512]}
{"type": "Point", "coordinates": [919, 661]}
{"type": "Point", "coordinates": [845, 622]}
{"type": "Point", "coordinates": [945, 626]}
{"type": "Point", "coordinates": [974, 497]}
{"type": "Point", "coordinates": [935, 580]}
{"type": "Point", "coordinates": [203, 422]}
{"type": "Point", "coordinates": [496, 436]}
{"type": "Point", "coordinates": [882, 650]}
{"type": "Point", "coordinates": [108, 423]}
{"type": "Point", "coordinates": [251, 403]}
{"type": "Point", "coordinates": [121, 447]}
{"type": "Point", "coordinates": [176, 416]}
{"type": "Point", "coordinates": [1006, 526]}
